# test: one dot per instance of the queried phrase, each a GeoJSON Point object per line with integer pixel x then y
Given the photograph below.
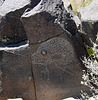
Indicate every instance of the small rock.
{"type": "Point", "coordinates": [16, 99]}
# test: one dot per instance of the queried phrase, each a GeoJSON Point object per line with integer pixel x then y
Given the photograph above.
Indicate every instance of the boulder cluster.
{"type": "Point", "coordinates": [41, 44]}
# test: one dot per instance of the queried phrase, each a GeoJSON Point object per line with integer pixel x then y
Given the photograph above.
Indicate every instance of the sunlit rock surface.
{"type": "Point", "coordinates": [90, 98]}
{"type": "Point", "coordinates": [89, 19]}
{"type": "Point", "coordinates": [90, 12]}
{"type": "Point", "coordinates": [12, 5]}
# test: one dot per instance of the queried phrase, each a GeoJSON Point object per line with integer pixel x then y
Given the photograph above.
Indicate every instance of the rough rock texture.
{"type": "Point", "coordinates": [47, 13]}
{"type": "Point", "coordinates": [57, 71]}
{"type": "Point", "coordinates": [47, 69]}
{"type": "Point", "coordinates": [17, 81]}
{"type": "Point", "coordinates": [38, 29]}
{"type": "Point", "coordinates": [11, 29]}
{"type": "Point", "coordinates": [56, 68]}
{"type": "Point", "coordinates": [89, 19]}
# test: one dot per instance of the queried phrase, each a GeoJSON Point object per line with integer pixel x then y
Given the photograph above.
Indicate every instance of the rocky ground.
{"type": "Point", "coordinates": [42, 43]}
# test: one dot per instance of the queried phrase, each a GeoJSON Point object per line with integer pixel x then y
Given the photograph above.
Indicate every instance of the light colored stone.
{"type": "Point", "coordinates": [90, 12]}
{"type": "Point", "coordinates": [12, 5]}
{"type": "Point", "coordinates": [89, 22]}
{"type": "Point", "coordinates": [16, 99]}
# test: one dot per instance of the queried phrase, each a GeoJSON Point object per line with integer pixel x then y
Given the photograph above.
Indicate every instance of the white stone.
{"type": "Point", "coordinates": [16, 99]}
{"type": "Point", "coordinates": [77, 20]}
{"type": "Point", "coordinates": [66, 4]}
{"type": "Point", "coordinates": [12, 5]}
{"type": "Point", "coordinates": [91, 98]}
{"type": "Point", "coordinates": [18, 47]}
{"type": "Point", "coordinates": [43, 5]}
{"type": "Point", "coordinates": [70, 98]}
{"type": "Point", "coordinates": [35, 10]}
{"type": "Point", "coordinates": [89, 12]}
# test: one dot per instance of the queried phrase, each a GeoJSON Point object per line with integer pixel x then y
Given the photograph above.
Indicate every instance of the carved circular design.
{"type": "Point", "coordinates": [44, 52]}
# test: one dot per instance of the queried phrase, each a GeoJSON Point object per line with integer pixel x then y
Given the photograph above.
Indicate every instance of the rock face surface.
{"type": "Point", "coordinates": [48, 13]}
{"type": "Point", "coordinates": [11, 29]}
{"type": "Point", "coordinates": [57, 70]}
{"type": "Point", "coordinates": [48, 67]}
{"type": "Point", "coordinates": [54, 61]}
{"type": "Point", "coordinates": [16, 78]}
{"type": "Point", "coordinates": [41, 28]}
{"type": "Point", "coordinates": [89, 19]}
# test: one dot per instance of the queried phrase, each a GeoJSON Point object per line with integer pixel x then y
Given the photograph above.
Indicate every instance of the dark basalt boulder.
{"type": "Point", "coordinates": [11, 28]}
{"type": "Point", "coordinates": [47, 17]}
{"type": "Point", "coordinates": [39, 29]}
{"type": "Point", "coordinates": [16, 78]}
{"type": "Point", "coordinates": [56, 68]}
{"type": "Point", "coordinates": [45, 71]}
{"type": "Point", "coordinates": [49, 68]}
